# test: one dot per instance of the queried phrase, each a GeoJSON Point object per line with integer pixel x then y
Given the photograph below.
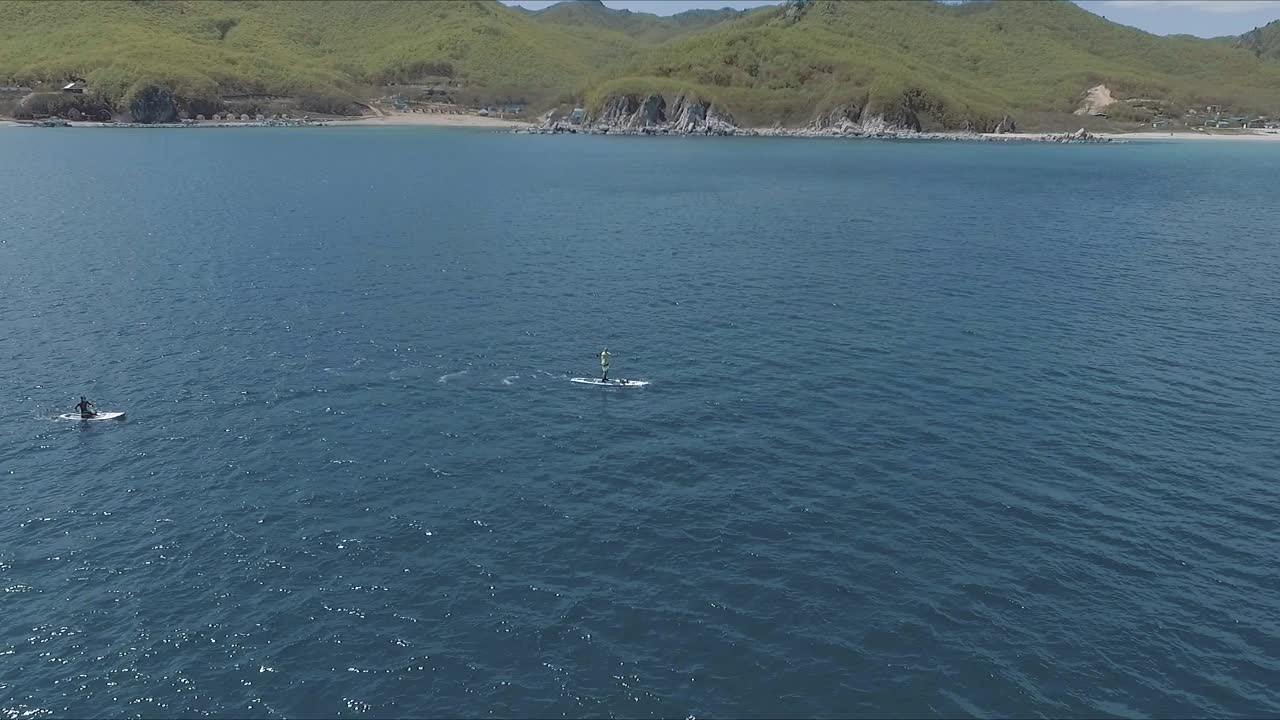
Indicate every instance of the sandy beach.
{"type": "Point", "coordinates": [433, 119]}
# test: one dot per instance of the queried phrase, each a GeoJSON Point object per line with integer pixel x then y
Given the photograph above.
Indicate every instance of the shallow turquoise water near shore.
{"type": "Point", "coordinates": [933, 429]}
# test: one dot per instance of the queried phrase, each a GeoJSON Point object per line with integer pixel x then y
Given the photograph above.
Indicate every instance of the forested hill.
{"type": "Point", "coordinates": [949, 65]}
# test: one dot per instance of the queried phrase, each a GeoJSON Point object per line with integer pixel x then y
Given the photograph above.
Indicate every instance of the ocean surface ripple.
{"type": "Point", "coordinates": [933, 430]}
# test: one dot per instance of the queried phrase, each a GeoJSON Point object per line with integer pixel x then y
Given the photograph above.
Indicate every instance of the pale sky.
{"type": "Point", "coordinates": [1206, 18]}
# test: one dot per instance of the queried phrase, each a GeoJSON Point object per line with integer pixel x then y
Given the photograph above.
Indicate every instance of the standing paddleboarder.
{"type": "Point", "coordinates": [604, 364]}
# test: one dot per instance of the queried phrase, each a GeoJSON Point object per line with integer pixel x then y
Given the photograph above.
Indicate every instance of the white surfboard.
{"type": "Point", "coordinates": [99, 416]}
{"type": "Point", "coordinates": [610, 383]}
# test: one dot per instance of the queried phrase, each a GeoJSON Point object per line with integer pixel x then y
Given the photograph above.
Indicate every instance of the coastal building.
{"type": "Point", "coordinates": [1163, 123]}
{"type": "Point", "coordinates": [577, 116]}
{"type": "Point", "coordinates": [75, 87]}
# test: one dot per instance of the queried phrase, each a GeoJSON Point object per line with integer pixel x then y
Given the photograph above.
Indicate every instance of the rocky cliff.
{"type": "Point", "coordinates": [906, 114]}
{"type": "Point", "coordinates": [853, 119]}
{"type": "Point", "coordinates": [652, 114]}
{"type": "Point", "coordinates": [153, 105]}
{"type": "Point", "coordinates": [861, 118]}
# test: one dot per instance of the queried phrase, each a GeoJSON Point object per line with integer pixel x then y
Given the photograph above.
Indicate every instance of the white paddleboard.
{"type": "Point", "coordinates": [610, 383]}
{"type": "Point", "coordinates": [99, 416]}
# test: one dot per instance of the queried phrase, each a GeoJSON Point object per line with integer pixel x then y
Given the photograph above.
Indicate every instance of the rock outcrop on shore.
{"type": "Point", "coordinates": [634, 114]}
{"type": "Point", "coordinates": [1079, 136]}
{"type": "Point", "coordinates": [693, 116]}
{"type": "Point", "coordinates": [153, 105]}
{"type": "Point", "coordinates": [852, 120]}
{"type": "Point", "coordinates": [651, 114]}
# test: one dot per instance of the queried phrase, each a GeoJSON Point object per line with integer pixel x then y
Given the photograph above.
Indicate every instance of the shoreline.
{"type": "Point", "coordinates": [386, 120]}
{"type": "Point", "coordinates": [527, 128]}
{"type": "Point", "coordinates": [1249, 136]}
{"type": "Point", "coordinates": [1077, 137]}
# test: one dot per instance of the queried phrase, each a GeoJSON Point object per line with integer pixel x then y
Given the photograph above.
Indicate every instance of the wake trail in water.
{"type": "Point", "coordinates": [444, 379]}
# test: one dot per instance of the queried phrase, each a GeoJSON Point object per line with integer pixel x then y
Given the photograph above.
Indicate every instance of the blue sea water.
{"type": "Point", "coordinates": [934, 430]}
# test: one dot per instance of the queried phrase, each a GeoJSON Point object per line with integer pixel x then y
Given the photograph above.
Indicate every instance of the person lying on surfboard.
{"type": "Point", "coordinates": [83, 406]}
{"type": "Point", "coordinates": [604, 365]}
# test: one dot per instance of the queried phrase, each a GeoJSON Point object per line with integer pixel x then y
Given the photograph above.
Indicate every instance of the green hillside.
{"type": "Point", "coordinates": [203, 48]}
{"type": "Point", "coordinates": [1264, 41]}
{"type": "Point", "coordinates": [635, 28]}
{"type": "Point", "coordinates": [947, 65]}
{"type": "Point", "coordinates": [947, 62]}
